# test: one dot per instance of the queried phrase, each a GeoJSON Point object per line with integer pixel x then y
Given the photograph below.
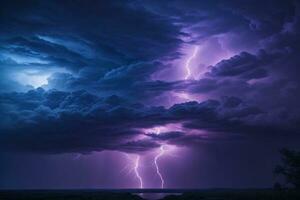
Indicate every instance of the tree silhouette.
{"type": "Point", "coordinates": [290, 167]}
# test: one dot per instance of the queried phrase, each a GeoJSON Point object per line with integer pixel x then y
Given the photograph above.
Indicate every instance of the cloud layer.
{"type": "Point", "coordinates": [79, 76]}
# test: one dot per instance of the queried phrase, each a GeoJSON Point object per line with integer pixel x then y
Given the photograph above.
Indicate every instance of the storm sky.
{"type": "Point", "coordinates": [90, 88]}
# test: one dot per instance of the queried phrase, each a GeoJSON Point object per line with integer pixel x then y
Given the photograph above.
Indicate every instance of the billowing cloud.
{"type": "Point", "coordinates": [54, 121]}
{"type": "Point", "coordinates": [82, 79]}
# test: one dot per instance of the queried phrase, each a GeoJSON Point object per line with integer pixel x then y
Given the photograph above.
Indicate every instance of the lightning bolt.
{"type": "Point", "coordinates": [135, 163]}
{"type": "Point", "coordinates": [161, 153]}
{"type": "Point", "coordinates": [185, 95]}
{"type": "Point", "coordinates": [188, 61]}
{"type": "Point", "coordinates": [136, 171]}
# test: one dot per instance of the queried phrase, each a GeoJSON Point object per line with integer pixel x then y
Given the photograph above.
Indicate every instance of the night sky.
{"type": "Point", "coordinates": [147, 94]}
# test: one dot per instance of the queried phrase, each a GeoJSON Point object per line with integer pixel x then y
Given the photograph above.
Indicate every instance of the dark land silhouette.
{"type": "Point", "coordinates": [217, 194]}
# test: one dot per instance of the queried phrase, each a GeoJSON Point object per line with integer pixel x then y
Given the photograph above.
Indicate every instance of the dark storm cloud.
{"type": "Point", "coordinates": [84, 121]}
{"type": "Point", "coordinates": [108, 52]}
{"type": "Point", "coordinates": [272, 88]}
{"type": "Point", "coordinates": [86, 39]}
{"type": "Point", "coordinates": [111, 28]}
{"type": "Point", "coordinates": [139, 146]}
{"type": "Point", "coordinates": [58, 122]}
{"type": "Point", "coordinates": [267, 78]}
{"type": "Point", "coordinates": [244, 65]}
{"type": "Point", "coordinates": [251, 19]}
{"type": "Point", "coordinates": [266, 17]}
{"type": "Point", "coordinates": [45, 52]}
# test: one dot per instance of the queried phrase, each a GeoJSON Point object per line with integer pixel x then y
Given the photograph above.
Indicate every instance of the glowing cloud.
{"type": "Point", "coordinates": [32, 77]}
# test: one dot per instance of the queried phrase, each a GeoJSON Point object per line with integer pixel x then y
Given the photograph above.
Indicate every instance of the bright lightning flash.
{"type": "Point", "coordinates": [135, 163]}
{"type": "Point", "coordinates": [136, 171]}
{"type": "Point", "coordinates": [188, 61]}
{"type": "Point", "coordinates": [183, 95]}
{"type": "Point", "coordinates": [161, 153]}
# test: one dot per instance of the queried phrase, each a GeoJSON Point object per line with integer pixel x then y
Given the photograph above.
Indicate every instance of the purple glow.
{"type": "Point", "coordinates": [188, 61]}
{"type": "Point", "coordinates": [159, 105]}
{"type": "Point", "coordinates": [158, 130]}
{"type": "Point", "coordinates": [134, 167]}
{"type": "Point", "coordinates": [184, 97]}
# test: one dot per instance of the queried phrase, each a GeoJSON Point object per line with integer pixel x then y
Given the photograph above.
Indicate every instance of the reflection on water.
{"type": "Point", "coordinates": [155, 196]}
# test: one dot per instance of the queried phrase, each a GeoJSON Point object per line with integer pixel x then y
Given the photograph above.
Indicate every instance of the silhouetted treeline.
{"type": "Point", "coordinates": [290, 167]}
